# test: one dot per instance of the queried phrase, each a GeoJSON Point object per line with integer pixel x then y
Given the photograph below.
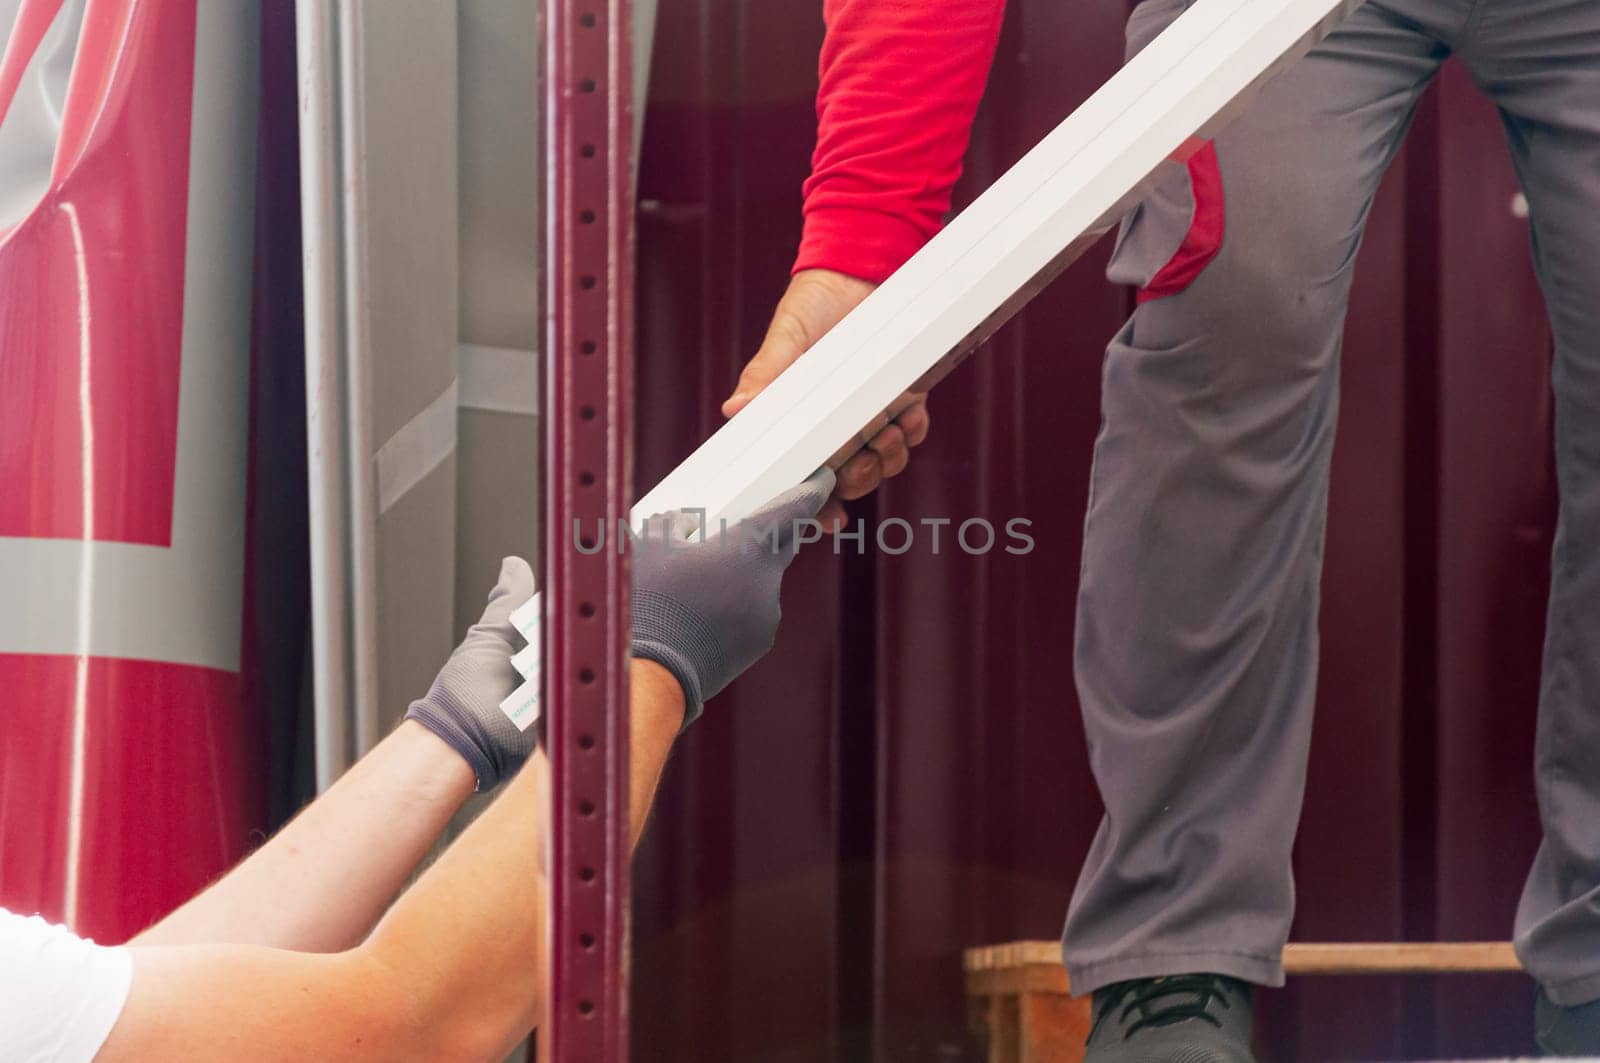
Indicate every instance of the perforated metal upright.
{"type": "Point", "coordinates": [588, 479]}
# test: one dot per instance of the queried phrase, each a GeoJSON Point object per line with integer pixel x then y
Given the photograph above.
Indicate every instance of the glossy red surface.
{"type": "Point", "coordinates": [125, 785]}
{"type": "Point", "coordinates": [91, 288]}
{"type": "Point", "coordinates": [163, 769]}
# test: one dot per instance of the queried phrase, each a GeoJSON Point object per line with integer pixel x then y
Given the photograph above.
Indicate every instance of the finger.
{"type": "Point", "coordinates": [914, 423]}
{"type": "Point", "coordinates": [860, 475]}
{"type": "Point", "coordinates": [892, 450]}
{"type": "Point", "coordinates": [821, 483]}
{"type": "Point", "coordinates": [762, 370]}
{"type": "Point", "coordinates": [778, 525]}
{"type": "Point", "coordinates": [683, 525]}
{"type": "Point", "coordinates": [839, 458]}
{"type": "Point", "coordinates": [873, 427]}
{"type": "Point", "coordinates": [514, 587]}
{"type": "Point", "coordinates": [799, 502]}
{"type": "Point", "coordinates": [512, 590]}
{"type": "Point", "coordinates": [832, 516]}
{"type": "Point", "coordinates": [905, 401]}
{"type": "Point", "coordinates": [661, 530]}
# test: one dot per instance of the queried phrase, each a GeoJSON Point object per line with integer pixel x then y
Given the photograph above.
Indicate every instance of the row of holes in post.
{"type": "Point", "coordinates": [586, 478]}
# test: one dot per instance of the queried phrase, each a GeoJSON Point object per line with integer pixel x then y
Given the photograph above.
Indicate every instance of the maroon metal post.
{"type": "Point", "coordinates": [588, 487]}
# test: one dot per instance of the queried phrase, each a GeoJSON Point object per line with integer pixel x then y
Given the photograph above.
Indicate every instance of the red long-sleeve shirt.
{"type": "Point", "coordinates": [900, 81]}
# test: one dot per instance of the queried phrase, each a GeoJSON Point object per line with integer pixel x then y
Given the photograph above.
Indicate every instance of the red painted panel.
{"type": "Point", "coordinates": [125, 785]}
{"type": "Point", "coordinates": [92, 280]}
{"type": "Point", "coordinates": [163, 752]}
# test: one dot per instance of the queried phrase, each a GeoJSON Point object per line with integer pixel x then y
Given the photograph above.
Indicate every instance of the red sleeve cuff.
{"type": "Point", "coordinates": [860, 242]}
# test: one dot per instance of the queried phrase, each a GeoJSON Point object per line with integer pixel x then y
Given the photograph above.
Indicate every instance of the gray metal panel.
{"type": "Point", "coordinates": [432, 240]}
{"type": "Point", "coordinates": [497, 509]}
{"type": "Point", "coordinates": [497, 504]}
{"type": "Point", "coordinates": [408, 91]}
{"type": "Point", "coordinates": [415, 591]}
{"type": "Point", "coordinates": [378, 83]}
{"type": "Point", "coordinates": [499, 183]}
{"type": "Point", "coordinates": [410, 168]}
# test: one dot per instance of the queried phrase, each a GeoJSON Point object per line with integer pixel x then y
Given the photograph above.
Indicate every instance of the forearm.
{"type": "Point", "coordinates": [654, 724]}
{"type": "Point", "coordinates": [470, 934]}
{"type": "Point", "coordinates": [321, 883]}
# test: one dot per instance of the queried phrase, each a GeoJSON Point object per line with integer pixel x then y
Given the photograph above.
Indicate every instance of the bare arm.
{"type": "Point", "coordinates": [455, 971]}
{"type": "Point", "coordinates": [320, 884]}
{"type": "Point", "coordinates": [323, 881]}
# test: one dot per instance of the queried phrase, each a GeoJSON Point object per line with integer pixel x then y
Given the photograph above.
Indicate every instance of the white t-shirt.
{"type": "Point", "coordinates": [59, 994]}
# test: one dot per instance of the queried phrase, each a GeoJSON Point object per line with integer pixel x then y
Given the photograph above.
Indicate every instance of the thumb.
{"type": "Point", "coordinates": [785, 342]}
{"type": "Point", "coordinates": [515, 587]}
{"type": "Point", "coordinates": [815, 301]}
{"type": "Point", "coordinates": [799, 503]}
{"type": "Point", "coordinates": [662, 532]}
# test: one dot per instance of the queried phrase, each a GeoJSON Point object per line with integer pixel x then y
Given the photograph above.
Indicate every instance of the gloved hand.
{"type": "Point", "coordinates": [463, 705]}
{"type": "Point", "coordinates": [707, 609]}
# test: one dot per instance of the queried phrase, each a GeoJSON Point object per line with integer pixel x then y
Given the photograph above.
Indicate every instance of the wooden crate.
{"type": "Point", "coordinates": [1020, 1003]}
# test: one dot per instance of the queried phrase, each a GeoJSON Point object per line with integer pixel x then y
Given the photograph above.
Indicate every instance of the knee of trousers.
{"type": "Point", "coordinates": [1223, 395]}
{"type": "Point", "coordinates": [1247, 321]}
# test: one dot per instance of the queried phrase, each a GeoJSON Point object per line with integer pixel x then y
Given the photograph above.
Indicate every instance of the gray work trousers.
{"type": "Point", "coordinates": [1196, 646]}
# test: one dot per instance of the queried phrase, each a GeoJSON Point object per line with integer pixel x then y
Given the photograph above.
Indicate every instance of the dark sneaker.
{"type": "Point", "coordinates": [1182, 1018]}
{"type": "Point", "coordinates": [1573, 1031]}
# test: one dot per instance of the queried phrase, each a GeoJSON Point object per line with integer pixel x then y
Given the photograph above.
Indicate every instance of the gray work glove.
{"type": "Point", "coordinates": [463, 705]}
{"type": "Point", "coordinates": [707, 608]}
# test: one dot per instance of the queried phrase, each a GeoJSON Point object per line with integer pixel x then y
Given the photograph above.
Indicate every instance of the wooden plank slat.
{"type": "Point", "coordinates": [1011, 954]}
{"type": "Point", "coordinates": [1024, 978]}
{"type": "Point", "coordinates": [1019, 998]}
{"type": "Point", "coordinates": [1027, 965]}
{"type": "Point", "coordinates": [1411, 957]}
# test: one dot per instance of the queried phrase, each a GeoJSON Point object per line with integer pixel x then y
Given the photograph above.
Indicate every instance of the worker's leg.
{"type": "Point", "coordinates": [1197, 614]}
{"type": "Point", "coordinates": [1540, 61]}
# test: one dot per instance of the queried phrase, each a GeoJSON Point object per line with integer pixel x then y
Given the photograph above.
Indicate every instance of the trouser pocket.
{"type": "Point", "coordinates": [1173, 234]}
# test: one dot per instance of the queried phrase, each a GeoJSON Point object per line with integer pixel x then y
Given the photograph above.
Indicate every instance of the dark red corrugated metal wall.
{"type": "Point", "coordinates": [905, 776]}
{"type": "Point", "coordinates": [735, 926]}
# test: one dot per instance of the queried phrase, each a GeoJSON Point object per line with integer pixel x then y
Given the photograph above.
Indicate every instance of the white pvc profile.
{"type": "Point", "coordinates": [965, 282]}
